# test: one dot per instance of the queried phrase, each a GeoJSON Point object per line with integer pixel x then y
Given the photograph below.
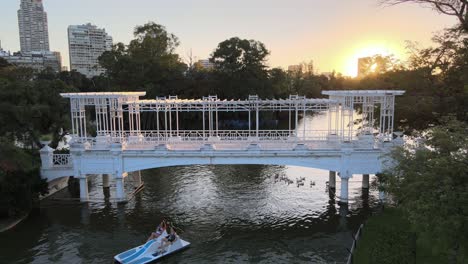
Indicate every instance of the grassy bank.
{"type": "Point", "coordinates": [388, 238]}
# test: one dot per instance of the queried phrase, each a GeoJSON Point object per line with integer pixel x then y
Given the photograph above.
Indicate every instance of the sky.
{"type": "Point", "coordinates": [331, 33]}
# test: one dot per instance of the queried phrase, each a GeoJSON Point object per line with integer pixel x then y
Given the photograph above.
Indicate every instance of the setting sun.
{"type": "Point", "coordinates": [368, 50]}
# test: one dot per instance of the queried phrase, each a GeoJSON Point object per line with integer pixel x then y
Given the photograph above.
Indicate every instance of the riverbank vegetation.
{"type": "Point", "coordinates": [428, 183]}
{"type": "Point", "coordinates": [387, 238]}
{"type": "Point", "coordinates": [428, 180]}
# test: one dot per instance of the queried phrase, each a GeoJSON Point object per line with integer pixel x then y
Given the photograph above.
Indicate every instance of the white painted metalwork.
{"type": "Point", "coordinates": [120, 145]}
{"type": "Point", "coordinates": [61, 160]}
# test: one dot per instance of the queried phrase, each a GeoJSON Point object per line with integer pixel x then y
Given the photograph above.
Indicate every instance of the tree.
{"type": "Point", "coordinates": [235, 54]}
{"type": "Point", "coordinates": [430, 184]}
{"type": "Point", "coordinates": [147, 63]}
{"type": "Point", "coordinates": [457, 8]}
{"type": "Point", "coordinates": [377, 64]}
{"type": "Point", "coordinates": [240, 68]}
{"type": "Point", "coordinates": [20, 181]}
{"type": "Point", "coordinates": [3, 63]}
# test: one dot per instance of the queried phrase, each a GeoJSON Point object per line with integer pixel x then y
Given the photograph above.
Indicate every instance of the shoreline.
{"type": "Point", "coordinates": [10, 223]}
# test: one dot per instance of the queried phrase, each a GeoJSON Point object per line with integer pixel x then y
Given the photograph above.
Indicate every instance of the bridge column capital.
{"type": "Point", "coordinates": [345, 174]}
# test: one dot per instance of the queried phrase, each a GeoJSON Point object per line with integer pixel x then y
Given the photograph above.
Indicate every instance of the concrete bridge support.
{"type": "Point", "coordinates": [106, 186]}
{"type": "Point", "coordinates": [119, 189]}
{"type": "Point", "coordinates": [365, 181]}
{"type": "Point", "coordinates": [137, 179]}
{"type": "Point", "coordinates": [344, 193]}
{"type": "Point", "coordinates": [105, 181]}
{"type": "Point", "coordinates": [344, 190]}
{"type": "Point", "coordinates": [84, 188]}
{"type": "Point", "coordinates": [332, 180]}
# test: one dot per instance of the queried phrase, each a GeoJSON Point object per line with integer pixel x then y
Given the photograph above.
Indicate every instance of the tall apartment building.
{"type": "Point", "coordinates": [86, 43]}
{"type": "Point", "coordinates": [33, 31]}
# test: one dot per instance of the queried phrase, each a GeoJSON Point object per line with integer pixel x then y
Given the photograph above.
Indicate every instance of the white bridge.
{"type": "Point", "coordinates": [118, 145]}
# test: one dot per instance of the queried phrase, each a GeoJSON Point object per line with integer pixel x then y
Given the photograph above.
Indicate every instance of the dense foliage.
{"type": "Point", "coordinates": [430, 183]}
{"type": "Point", "coordinates": [30, 107]}
{"type": "Point", "coordinates": [386, 238]}
{"type": "Point", "coordinates": [20, 182]}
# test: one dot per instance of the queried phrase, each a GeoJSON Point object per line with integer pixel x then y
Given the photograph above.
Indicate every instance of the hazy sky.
{"type": "Point", "coordinates": [332, 33]}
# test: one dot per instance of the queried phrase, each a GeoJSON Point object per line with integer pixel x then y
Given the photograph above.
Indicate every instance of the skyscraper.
{"type": "Point", "coordinates": [32, 20]}
{"type": "Point", "coordinates": [86, 43]}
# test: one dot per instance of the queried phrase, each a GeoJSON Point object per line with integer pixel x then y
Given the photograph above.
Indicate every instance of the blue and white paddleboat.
{"type": "Point", "coordinates": [150, 251]}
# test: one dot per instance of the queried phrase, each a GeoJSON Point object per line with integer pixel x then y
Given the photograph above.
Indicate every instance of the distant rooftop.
{"type": "Point", "coordinates": [363, 92]}
{"type": "Point", "coordinates": [102, 94]}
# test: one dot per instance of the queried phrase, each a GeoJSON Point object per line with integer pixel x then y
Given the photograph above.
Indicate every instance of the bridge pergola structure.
{"type": "Point", "coordinates": [113, 108]}
{"type": "Point", "coordinates": [121, 146]}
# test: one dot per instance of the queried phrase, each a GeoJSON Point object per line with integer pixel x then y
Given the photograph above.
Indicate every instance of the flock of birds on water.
{"type": "Point", "coordinates": [299, 181]}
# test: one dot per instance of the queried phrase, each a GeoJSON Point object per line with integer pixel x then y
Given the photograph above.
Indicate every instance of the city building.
{"type": "Point", "coordinates": [34, 39]}
{"type": "Point", "coordinates": [36, 60]}
{"type": "Point", "coordinates": [86, 43]}
{"type": "Point", "coordinates": [206, 64]}
{"type": "Point", "coordinates": [2, 52]}
{"type": "Point", "coordinates": [302, 68]}
{"type": "Point", "coordinates": [295, 68]}
{"type": "Point", "coordinates": [33, 31]}
{"type": "Point", "coordinates": [329, 75]}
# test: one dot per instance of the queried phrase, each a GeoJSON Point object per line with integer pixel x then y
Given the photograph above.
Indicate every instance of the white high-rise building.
{"type": "Point", "coordinates": [32, 20]}
{"type": "Point", "coordinates": [86, 43]}
{"type": "Point", "coordinates": [206, 64]}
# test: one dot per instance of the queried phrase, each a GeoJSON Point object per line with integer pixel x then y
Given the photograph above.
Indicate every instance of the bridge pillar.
{"type": "Point", "coordinates": [365, 181]}
{"type": "Point", "coordinates": [344, 190]}
{"type": "Point", "coordinates": [105, 181]}
{"type": "Point", "coordinates": [84, 188]}
{"type": "Point", "coordinates": [119, 189]}
{"type": "Point", "coordinates": [137, 178]}
{"type": "Point", "coordinates": [332, 180]}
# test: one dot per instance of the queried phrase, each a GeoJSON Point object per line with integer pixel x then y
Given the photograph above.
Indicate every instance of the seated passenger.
{"type": "Point", "coordinates": [159, 230]}
{"type": "Point", "coordinates": [168, 240]}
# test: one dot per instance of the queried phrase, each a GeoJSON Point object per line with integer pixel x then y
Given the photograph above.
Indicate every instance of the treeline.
{"type": "Point", "coordinates": [149, 63]}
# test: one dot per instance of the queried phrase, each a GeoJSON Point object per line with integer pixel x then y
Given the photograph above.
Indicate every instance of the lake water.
{"type": "Point", "coordinates": [230, 214]}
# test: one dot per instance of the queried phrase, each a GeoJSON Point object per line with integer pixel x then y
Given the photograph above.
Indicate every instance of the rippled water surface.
{"type": "Point", "coordinates": [230, 214]}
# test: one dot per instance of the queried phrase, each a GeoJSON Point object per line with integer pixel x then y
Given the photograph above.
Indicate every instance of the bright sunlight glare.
{"type": "Point", "coordinates": [368, 50]}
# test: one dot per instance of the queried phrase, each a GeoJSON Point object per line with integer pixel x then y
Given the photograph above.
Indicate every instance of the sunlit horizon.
{"type": "Point", "coordinates": [332, 34]}
{"type": "Point", "coordinates": [368, 50]}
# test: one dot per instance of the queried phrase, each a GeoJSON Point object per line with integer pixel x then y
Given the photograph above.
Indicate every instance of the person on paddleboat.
{"type": "Point", "coordinates": [159, 230]}
{"type": "Point", "coordinates": [168, 240]}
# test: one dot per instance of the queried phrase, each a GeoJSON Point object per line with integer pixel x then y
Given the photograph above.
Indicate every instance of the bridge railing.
{"type": "Point", "coordinates": [228, 135]}
{"type": "Point", "coordinates": [235, 138]}
{"type": "Point", "coordinates": [61, 160]}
